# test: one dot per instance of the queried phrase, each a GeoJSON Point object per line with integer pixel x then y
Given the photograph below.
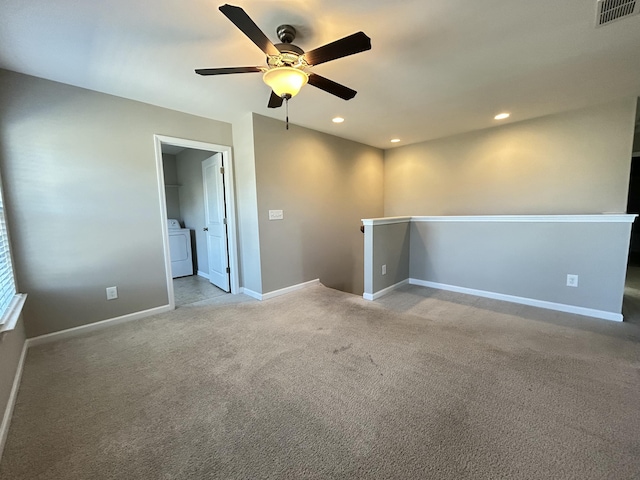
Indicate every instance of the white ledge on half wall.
{"type": "Point", "coordinates": [385, 220]}
{"type": "Point", "coordinates": [590, 218]}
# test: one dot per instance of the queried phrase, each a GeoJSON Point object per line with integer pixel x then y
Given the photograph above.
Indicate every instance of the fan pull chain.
{"type": "Point", "coordinates": [286, 106]}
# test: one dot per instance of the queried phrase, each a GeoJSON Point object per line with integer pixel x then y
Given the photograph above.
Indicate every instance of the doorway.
{"type": "Point", "coordinates": [631, 301]}
{"type": "Point", "coordinates": [199, 225]}
{"type": "Point", "coordinates": [633, 206]}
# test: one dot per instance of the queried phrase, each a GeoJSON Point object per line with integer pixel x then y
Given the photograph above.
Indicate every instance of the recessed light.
{"type": "Point", "coordinates": [395, 140]}
{"type": "Point", "coordinates": [502, 116]}
{"type": "Point", "coordinates": [337, 120]}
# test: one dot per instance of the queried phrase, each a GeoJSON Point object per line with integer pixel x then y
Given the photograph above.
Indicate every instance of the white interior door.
{"type": "Point", "coordinates": [215, 221]}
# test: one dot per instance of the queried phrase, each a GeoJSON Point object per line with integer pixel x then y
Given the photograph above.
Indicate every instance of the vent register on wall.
{"type": "Point", "coordinates": [611, 10]}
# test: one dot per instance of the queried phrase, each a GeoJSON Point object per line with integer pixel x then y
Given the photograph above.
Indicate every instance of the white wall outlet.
{"type": "Point", "coordinates": [384, 269]}
{"type": "Point", "coordinates": [276, 215]}
{"type": "Point", "coordinates": [572, 280]}
{"type": "Point", "coordinates": [112, 293]}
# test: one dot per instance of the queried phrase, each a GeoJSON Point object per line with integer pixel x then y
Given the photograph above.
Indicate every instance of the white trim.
{"type": "Point", "coordinates": [385, 220]}
{"type": "Point", "coordinates": [594, 218]}
{"type": "Point", "coordinates": [11, 402]}
{"type": "Point", "coordinates": [157, 141]}
{"type": "Point", "coordinates": [90, 327]}
{"type": "Point", "coordinates": [635, 154]}
{"type": "Point", "coordinates": [384, 291]}
{"type": "Point", "coordinates": [251, 293]}
{"type": "Point", "coordinates": [292, 288]}
{"type": "Point", "coordinates": [561, 307]}
{"type": "Point", "coordinates": [598, 218]}
{"type": "Point", "coordinates": [204, 275]}
{"type": "Point", "coordinates": [14, 311]}
{"type": "Point", "coordinates": [229, 191]}
{"type": "Point", "coordinates": [282, 291]}
{"type": "Point", "coordinates": [368, 258]}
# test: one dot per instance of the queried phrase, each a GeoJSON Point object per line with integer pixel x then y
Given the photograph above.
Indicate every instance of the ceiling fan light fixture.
{"type": "Point", "coordinates": [285, 81]}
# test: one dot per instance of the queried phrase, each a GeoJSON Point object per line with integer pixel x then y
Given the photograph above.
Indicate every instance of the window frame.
{"type": "Point", "coordinates": [13, 301]}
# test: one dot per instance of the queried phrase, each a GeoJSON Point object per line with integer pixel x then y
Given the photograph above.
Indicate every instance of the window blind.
{"type": "Point", "coordinates": [7, 283]}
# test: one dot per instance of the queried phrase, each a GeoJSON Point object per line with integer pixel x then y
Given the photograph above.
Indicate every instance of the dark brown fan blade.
{"type": "Point", "coordinates": [356, 43]}
{"type": "Point", "coordinates": [241, 20]}
{"type": "Point", "coordinates": [226, 71]}
{"type": "Point", "coordinates": [274, 100]}
{"type": "Point", "coordinates": [331, 87]}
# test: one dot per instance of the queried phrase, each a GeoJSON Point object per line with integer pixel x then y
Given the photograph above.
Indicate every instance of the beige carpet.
{"type": "Point", "coordinates": [321, 384]}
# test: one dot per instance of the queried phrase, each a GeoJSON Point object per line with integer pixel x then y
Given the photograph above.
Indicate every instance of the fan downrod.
{"type": "Point", "coordinates": [286, 33]}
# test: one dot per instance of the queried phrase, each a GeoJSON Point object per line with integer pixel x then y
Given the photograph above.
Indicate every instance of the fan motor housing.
{"type": "Point", "coordinates": [289, 53]}
{"type": "Point", "coordinates": [289, 48]}
{"type": "Point", "coordinates": [288, 57]}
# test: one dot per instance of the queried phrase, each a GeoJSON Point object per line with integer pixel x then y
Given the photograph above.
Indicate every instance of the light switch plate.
{"type": "Point", "coordinates": [276, 215]}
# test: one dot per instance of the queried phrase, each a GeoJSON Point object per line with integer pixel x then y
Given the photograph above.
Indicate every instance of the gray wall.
{"type": "Point", "coordinates": [247, 204]}
{"type": "Point", "coordinates": [170, 189]}
{"type": "Point", "coordinates": [391, 248]}
{"type": "Point", "coordinates": [575, 162]}
{"type": "Point", "coordinates": [11, 344]}
{"type": "Point", "coordinates": [528, 260]}
{"type": "Point", "coordinates": [189, 167]}
{"type": "Point", "coordinates": [325, 185]}
{"type": "Point", "coordinates": [82, 199]}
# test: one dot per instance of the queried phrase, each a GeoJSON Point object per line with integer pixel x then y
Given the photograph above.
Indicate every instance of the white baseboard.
{"type": "Point", "coordinates": [251, 293]}
{"type": "Point", "coordinates": [203, 275]}
{"type": "Point", "coordinates": [8, 411]}
{"type": "Point", "coordinates": [561, 307]}
{"type": "Point", "coordinates": [292, 288]}
{"type": "Point", "coordinates": [72, 332]}
{"type": "Point", "coordinates": [384, 291]}
{"type": "Point", "coordinates": [282, 291]}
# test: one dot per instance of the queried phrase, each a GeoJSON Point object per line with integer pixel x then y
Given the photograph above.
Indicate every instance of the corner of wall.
{"type": "Point", "coordinates": [324, 186]}
{"type": "Point", "coordinates": [12, 354]}
{"type": "Point", "coordinates": [247, 203]}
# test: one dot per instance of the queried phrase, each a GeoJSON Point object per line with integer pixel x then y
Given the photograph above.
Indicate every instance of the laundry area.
{"type": "Point", "coordinates": [190, 205]}
{"type": "Point", "coordinates": [180, 249]}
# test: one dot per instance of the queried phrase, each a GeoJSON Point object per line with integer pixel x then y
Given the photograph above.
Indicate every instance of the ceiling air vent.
{"type": "Point", "coordinates": [611, 10]}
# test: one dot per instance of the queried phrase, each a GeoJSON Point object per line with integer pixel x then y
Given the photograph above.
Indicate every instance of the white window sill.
{"type": "Point", "coordinates": [12, 314]}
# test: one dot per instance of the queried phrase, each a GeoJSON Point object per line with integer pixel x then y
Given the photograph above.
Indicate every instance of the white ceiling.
{"type": "Point", "coordinates": [436, 68]}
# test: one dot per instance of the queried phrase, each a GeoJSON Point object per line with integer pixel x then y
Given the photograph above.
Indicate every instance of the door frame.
{"type": "Point", "coordinates": [229, 197]}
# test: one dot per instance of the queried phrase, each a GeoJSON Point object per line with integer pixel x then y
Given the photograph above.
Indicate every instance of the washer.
{"type": "Point", "coordinates": [180, 249]}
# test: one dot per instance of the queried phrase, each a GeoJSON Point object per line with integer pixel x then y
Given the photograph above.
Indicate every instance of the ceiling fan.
{"type": "Point", "coordinates": [287, 64]}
